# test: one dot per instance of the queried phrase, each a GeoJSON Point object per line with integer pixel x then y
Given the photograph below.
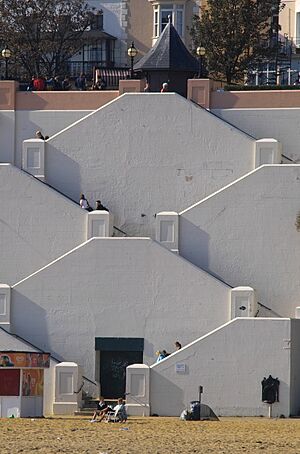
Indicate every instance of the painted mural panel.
{"type": "Point", "coordinates": [32, 382]}
{"type": "Point", "coordinates": [23, 359]}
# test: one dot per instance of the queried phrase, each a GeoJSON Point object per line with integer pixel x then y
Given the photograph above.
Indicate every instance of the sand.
{"type": "Point", "coordinates": [150, 435]}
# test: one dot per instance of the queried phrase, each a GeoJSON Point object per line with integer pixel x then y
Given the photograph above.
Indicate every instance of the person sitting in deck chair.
{"type": "Point", "coordinates": [120, 414]}
{"type": "Point", "coordinates": [102, 409]}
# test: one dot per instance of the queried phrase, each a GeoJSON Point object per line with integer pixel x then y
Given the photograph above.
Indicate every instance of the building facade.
{"type": "Point", "coordinates": [118, 23]}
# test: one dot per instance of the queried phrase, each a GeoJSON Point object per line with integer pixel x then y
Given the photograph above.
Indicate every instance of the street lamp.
{"type": "Point", "coordinates": [132, 52]}
{"type": "Point", "coordinates": [200, 51]}
{"type": "Point", "coordinates": [6, 54]}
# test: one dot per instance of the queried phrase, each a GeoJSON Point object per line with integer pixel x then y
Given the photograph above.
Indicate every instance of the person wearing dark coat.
{"type": "Point", "coordinates": [99, 206]}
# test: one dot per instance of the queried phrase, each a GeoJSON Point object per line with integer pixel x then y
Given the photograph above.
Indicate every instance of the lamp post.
{"type": "Point", "coordinates": [6, 54]}
{"type": "Point", "coordinates": [132, 52]}
{"type": "Point", "coordinates": [201, 53]}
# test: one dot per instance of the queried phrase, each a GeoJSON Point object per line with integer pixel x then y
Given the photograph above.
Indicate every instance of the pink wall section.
{"type": "Point", "coordinates": [12, 99]}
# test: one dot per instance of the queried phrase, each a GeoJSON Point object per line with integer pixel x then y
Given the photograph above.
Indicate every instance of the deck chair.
{"type": "Point", "coordinates": [115, 416]}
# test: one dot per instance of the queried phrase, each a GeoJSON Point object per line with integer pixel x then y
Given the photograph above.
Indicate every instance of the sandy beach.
{"type": "Point", "coordinates": [150, 436]}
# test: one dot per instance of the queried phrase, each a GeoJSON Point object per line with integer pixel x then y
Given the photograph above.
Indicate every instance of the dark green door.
{"type": "Point", "coordinates": [113, 371]}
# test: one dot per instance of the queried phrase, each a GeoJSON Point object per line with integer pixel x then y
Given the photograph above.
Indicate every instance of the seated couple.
{"type": "Point", "coordinates": [119, 411]}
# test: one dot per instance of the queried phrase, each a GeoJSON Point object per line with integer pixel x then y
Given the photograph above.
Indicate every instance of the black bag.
{"type": "Point", "coordinates": [195, 410]}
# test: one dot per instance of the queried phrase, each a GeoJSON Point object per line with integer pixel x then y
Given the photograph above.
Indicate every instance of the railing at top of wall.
{"type": "Point", "coordinates": [66, 196]}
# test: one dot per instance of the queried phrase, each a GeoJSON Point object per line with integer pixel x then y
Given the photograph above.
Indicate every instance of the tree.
{"type": "Point", "coordinates": [236, 34]}
{"type": "Point", "coordinates": [43, 34]}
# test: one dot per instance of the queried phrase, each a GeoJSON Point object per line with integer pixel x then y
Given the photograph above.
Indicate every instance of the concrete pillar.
{"type": "Point", "coordinates": [167, 226]}
{"type": "Point", "coordinates": [267, 151]}
{"type": "Point", "coordinates": [138, 390]}
{"type": "Point", "coordinates": [8, 89]}
{"type": "Point", "coordinates": [243, 302]}
{"type": "Point", "coordinates": [297, 312]}
{"type": "Point", "coordinates": [33, 158]}
{"type": "Point", "coordinates": [198, 90]}
{"type": "Point", "coordinates": [131, 86]}
{"type": "Point", "coordinates": [99, 224]}
{"type": "Point", "coordinates": [5, 297]}
{"type": "Point", "coordinates": [68, 383]}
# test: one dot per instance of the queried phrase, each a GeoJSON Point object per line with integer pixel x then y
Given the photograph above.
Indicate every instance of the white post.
{"type": "Point", "coordinates": [138, 390]}
{"type": "Point", "coordinates": [267, 151]}
{"type": "Point", "coordinates": [270, 410]}
{"type": "Point", "coordinates": [243, 302]}
{"type": "Point", "coordinates": [68, 384]}
{"type": "Point", "coordinates": [99, 224]}
{"type": "Point", "coordinates": [33, 157]}
{"type": "Point", "coordinates": [167, 224]}
{"type": "Point", "coordinates": [5, 297]}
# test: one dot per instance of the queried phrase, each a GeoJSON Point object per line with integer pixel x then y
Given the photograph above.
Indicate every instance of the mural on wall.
{"type": "Point", "coordinates": [22, 359]}
{"type": "Point", "coordinates": [32, 382]}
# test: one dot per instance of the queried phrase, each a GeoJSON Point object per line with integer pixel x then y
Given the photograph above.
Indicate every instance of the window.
{"type": "Point", "coordinates": [156, 21]}
{"type": "Point", "coordinates": [179, 19]}
{"type": "Point", "coordinates": [161, 15]}
{"type": "Point", "coordinates": [166, 11]}
{"type": "Point", "coordinates": [298, 29]}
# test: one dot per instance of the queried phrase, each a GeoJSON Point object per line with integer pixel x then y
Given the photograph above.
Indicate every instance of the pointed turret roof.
{"type": "Point", "coordinates": [168, 53]}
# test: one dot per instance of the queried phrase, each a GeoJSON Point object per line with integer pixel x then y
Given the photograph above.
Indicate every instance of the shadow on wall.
{"type": "Point", "coordinates": [149, 349]}
{"type": "Point", "coordinates": [29, 321]}
{"type": "Point", "coordinates": [25, 128]}
{"type": "Point", "coordinates": [194, 247]}
{"type": "Point", "coordinates": [163, 389]}
{"type": "Point", "coordinates": [193, 243]}
{"type": "Point", "coordinates": [62, 173]}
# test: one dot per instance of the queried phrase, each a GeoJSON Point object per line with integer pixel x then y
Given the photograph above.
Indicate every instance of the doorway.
{"type": "Point", "coordinates": [115, 355]}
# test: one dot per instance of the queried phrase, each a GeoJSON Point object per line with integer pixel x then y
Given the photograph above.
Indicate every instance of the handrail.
{"type": "Point", "coordinates": [66, 196]}
{"type": "Point", "coordinates": [269, 309]}
{"type": "Point", "coordinates": [289, 159]}
{"type": "Point", "coordinates": [121, 231]}
{"type": "Point", "coordinates": [223, 119]}
{"type": "Point", "coordinates": [42, 351]}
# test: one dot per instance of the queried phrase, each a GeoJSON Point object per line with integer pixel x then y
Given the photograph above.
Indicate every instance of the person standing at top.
{"type": "Point", "coordinates": [81, 82]}
{"type": "Point", "coordinates": [147, 88]}
{"type": "Point", "coordinates": [39, 83]}
{"type": "Point", "coordinates": [165, 87]}
{"type": "Point", "coordinates": [66, 84]}
{"type": "Point", "coordinates": [56, 84]}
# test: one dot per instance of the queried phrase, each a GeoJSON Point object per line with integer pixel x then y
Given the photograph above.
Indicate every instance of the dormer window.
{"type": "Point", "coordinates": [161, 14]}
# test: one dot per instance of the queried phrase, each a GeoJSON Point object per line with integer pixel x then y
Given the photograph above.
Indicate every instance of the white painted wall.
{"type": "Point", "coordinates": [23, 124]}
{"type": "Point", "coordinates": [281, 124]}
{"type": "Point", "coordinates": [117, 287]}
{"type": "Point", "coordinates": [7, 135]}
{"type": "Point", "coordinates": [48, 121]}
{"type": "Point", "coordinates": [230, 364]}
{"type": "Point", "coordinates": [37, 224]}
{"type": "Point", "coordinates": [146, 153]}
{"type": "Point", "coordinates": [246, 235]}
